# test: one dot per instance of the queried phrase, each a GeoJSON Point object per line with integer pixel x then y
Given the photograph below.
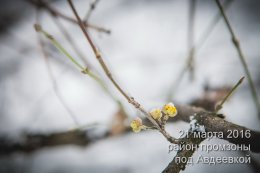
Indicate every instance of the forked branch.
{"type": "Point", "coordinates": [130, 99]}
{"type": "Point", "coordinates": [241, 57]}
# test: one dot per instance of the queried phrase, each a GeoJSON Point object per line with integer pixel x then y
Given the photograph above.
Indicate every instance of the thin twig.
{"type": "Point", "coordinates": [70, 40]}
{"type": "Point", "coordinates": [44, 4]}
{"type": "Point", "coordinates": [197, 46]}
{"type": "Point", "coordinates": [86, 63]}
{"type": "Point", "coordinates": [241, 57]}
{"type": "Point", "coordinates": [192, 10]}
{"type": "Point", "coordinates": [220, 105]}
{"type": "Point", "coordinates": [205, 35]}
{"type": "Point", "coordinates": [130, 99]}
{"type": "Point", "coordinates": [83, 69]}
{"type": "Point", "coordinates": [55, 86]}
{"type": "Point", "coordinates": [59, 47]}
{"type": "Point", "coordinates": [92, 6]}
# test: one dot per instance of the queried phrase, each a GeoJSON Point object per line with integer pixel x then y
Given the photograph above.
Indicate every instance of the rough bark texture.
{"type": "Point", "coordinates": [30, 142]}
{"type": "Point", "coordinates": [212, 123]}
{"type": "Point", "coordinates": [174, 167]}
{"type": "Point", "coordinates": [81, 138]}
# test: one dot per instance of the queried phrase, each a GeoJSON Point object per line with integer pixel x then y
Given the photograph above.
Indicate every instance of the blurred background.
{"type": "Point", "coordinates": [146, 50]}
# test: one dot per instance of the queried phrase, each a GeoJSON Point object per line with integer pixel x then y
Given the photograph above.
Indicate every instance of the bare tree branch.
{"type": "Point", "coordinates": [130, 99]}
{"type": "Point", "coordinates": [174, 167]}
{"type": "Point", "coordinates": [54, 12]}
{"type": "Point", "coordinates": [33, 142]}
{"type": "Point", "coordinates": [211, 122]}
{"type": "Point", "coordinates": [241, 57]}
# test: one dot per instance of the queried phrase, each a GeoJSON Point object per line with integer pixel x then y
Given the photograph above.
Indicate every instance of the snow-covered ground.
{"type": "Point", "coordinates": [146, 52]}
